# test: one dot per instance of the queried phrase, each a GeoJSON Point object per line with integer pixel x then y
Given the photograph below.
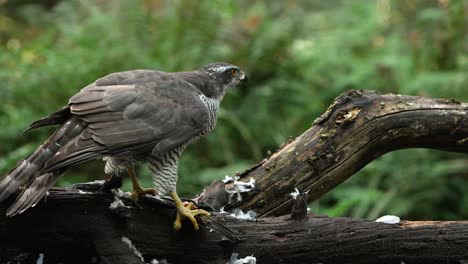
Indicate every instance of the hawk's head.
{"type": "Point", "coordinates": [227, 75]}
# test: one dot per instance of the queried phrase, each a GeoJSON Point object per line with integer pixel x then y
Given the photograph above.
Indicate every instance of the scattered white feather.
{"type": "Point", "coordinates": [228, 178]}
{"type": "Point", "coordinates": [155, 261]}
{"type": "Point", "coordinates": [250, 215]}
{"type": "Point", "coordinates": [40, 260]}
{"type": "Point", "coordinates": [388, 219]}
{"type": "Point", "coordinates": [246, 260]}
{"type": "Point", "coordinates": [99, 181]}
{"type": "Point", "coordinates": [133, 248]}
{"type": "Point", "coordinates": [239, 187]}
{"type": "Point", "coordinates": [117, 192]}
{"type": "Point", "coordinates": [295, 193]}
{"type": "Point", "coordinates": [117, 203]}
{"type": "Point", "coordinates": [245, 186]}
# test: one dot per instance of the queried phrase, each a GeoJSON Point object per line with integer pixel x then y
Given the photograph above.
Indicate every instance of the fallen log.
{"type": "Point", "coordinates": [76, 226]}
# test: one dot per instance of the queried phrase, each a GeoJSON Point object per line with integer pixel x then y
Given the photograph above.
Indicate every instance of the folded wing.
{"type": "Point", "coordinates": [156, 111]}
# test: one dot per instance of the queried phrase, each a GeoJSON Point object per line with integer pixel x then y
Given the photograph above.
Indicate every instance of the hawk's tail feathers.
{"type": "Point", "coordinates": [27, 170]}
{"type": "Point", "coordinates": [34, 193]}
{"type": "Point", "coordinates": [24, 172]}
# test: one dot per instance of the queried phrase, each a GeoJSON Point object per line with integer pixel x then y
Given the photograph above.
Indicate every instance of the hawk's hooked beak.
{"type": "Point", "coordinates": [243, 78]}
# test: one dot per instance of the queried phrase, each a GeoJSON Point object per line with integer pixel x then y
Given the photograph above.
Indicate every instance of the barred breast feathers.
{"type": "Point", "coordinates": [213, 106]}
{"type": "Point", "coordinates": [164, 169]}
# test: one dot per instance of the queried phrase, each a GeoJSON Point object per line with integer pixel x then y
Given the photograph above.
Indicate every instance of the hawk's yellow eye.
{"type": "Point", "coordinates": [234, 72]}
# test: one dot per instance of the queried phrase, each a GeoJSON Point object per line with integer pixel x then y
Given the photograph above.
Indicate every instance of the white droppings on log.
{"type": "Point", "coordinates": [388, 219]}
{"type": "Point", "coordinates": [83, 192]}
{"type": "Point", "coordinates": [133, 248]}
{"type": "Point", "coordinates": [246, 260]}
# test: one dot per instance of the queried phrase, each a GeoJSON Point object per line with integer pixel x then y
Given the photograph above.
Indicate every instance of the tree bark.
{"type": "Point", "coordinates": [357, 128]}
{"type": "Point", "coordinates": [76, 226]}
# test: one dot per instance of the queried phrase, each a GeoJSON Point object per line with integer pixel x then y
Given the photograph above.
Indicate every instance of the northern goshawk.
{"type": "Point", "coordinates": [126, 117]}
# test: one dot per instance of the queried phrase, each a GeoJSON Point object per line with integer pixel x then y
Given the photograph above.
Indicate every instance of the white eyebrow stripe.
{"type": "Point", "coordinates": [222, 68]}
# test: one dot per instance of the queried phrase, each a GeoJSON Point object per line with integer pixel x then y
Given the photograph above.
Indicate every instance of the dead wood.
{"type": "Point", "coordinates": [357, 128]}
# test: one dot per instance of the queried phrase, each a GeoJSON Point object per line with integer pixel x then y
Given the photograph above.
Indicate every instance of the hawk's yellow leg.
{"type": "Point", "coordinates": [137, 190]}
{"type": "Point", "coordinates": [186, 211]}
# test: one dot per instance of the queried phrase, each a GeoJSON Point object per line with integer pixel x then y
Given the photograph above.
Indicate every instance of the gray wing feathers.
{"type": "Point", "coordinates": [121, 134]}
{"type": "Point", "coordinates": [128, 115]}
{"type": "Point", "coordinates": [77, 150]}
{"type": "Point", "coordinates": [106, 118]}
{"type": "Point", "coordinates": [101, 118]}
{"type": "Point", "coordinates": [58, 117]}
{"type": "Point", "coordinates": [124, 118]}
{"type": "Point", "coordinates": [176, 139]}
{"type": "Point", "coordinates": [128, 77]}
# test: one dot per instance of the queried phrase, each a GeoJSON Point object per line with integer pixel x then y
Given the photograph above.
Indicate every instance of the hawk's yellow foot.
{"type": "Point", "coordinates": [137, 191]}
{"type": "Point", "coordinates": [186, 210]}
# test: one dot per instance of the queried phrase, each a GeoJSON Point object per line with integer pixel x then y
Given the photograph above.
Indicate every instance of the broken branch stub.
{"type": "Point", "coordinates": [357, 128]}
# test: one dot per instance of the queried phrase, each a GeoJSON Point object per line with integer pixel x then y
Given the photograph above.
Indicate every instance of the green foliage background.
{"type": "Point", "coordinates": [299, 56]}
